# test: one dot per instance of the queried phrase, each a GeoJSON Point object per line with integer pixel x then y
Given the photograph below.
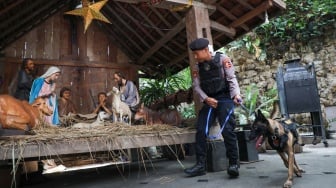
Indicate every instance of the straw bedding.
{"type": "Point", "coordinates": [45, 135]}
{"type": "Point", "coordinates": [111, 130]}
{"type": "Point", "coordinates": [67, 136]}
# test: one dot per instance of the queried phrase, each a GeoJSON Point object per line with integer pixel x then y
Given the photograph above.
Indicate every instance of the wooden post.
{"type": "Point", "coordinates": [197, 26]}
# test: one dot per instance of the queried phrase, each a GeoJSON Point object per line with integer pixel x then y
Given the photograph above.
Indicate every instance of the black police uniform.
{"type": "Point", "coordinates": [214, 85]}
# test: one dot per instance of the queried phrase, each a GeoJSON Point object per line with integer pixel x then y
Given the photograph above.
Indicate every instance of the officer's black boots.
{"type": "Point", "coordinates": [198, 169]}
{"type": "Point", "coordinates": [233, 170]}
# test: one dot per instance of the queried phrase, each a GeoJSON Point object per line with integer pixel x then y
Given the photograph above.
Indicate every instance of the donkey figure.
{"type": "Point", "coordinates": [167, 116]}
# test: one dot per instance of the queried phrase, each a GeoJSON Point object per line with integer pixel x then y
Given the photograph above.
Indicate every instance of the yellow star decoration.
{"type": "Point", "coordinates": [90, 12]}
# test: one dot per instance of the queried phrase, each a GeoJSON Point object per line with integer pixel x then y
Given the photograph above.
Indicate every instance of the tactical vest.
{"type": "Point", "coordinates": [211, 76]}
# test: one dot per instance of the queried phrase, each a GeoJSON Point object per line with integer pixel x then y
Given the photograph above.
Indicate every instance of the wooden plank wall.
{"type": "Point", "coordinates": [87, 60]}
{"type": "Point", "coordinates": [83, 79]}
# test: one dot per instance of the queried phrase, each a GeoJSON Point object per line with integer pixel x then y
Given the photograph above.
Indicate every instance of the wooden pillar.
{"type": "Point", "coordinates": [197, 26]}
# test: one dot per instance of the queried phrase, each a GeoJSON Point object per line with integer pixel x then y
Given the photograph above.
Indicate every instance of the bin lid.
{"type": "Point", "coordinates": [294, 63]}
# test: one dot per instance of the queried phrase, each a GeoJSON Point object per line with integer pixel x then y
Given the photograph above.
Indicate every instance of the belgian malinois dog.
{"type": "Point", "coordinates": [281, 137]}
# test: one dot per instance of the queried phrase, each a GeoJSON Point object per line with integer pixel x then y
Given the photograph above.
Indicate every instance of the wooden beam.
{"type": "Point", "coordinates": [168, 25]}
{"type": "Point", "coordinates": [230, 16]}
{"type": "Point", "coordinates": [178, 59]}
{"type": "Point", "coordinates": [135, 21]}
{"type": "Point", "coordinates": [69, 63]}
{"type": "Point", "coordinates": [131, 1]}
{"type": "Point", "coordinates": [261, 8]}
{"type": "Point", "coordinates": [211, 2]}
{"type": "Point", "coordinates": [162, 18]}
{"type": "Point", "coordinates": [163, 55]}
{"type": "Point", "coordinates": [193, 3]}
{"type": "Point", "coordinates": [29, 26]}
{"type": "Point", "coordinates": [3, 11]}
{"type": "Point", "coordinates": [177, 28]}
{"type": "Point", "coordinates": [221, 28]}
{"type": "Point", "coordinates": [24, 13]}
{"type": "Point", "coordinates": [32, 17]}
{"type": "Point", "coordinates": [153, 26]}
{"type": "Point", "coordinates": [176, 15]}
{"type": "Point", "coordinates": [125, 12]}
{"type": "Point", "coordinates": [280, 4]}
{"type": "Point", "coordinates": [248, 6]}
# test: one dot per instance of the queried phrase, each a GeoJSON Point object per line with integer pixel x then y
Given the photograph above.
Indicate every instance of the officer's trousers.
{"type": "Point", "coordinates": [230, 139]}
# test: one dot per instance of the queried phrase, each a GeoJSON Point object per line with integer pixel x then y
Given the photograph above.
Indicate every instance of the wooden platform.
{"type": "Point", "coordinates": [63, 141]}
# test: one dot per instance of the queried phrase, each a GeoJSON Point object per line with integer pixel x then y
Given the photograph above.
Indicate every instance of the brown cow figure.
{"type": "Point", "coordinates": [168, 116]}
{"type": "Point", "coordinates": [17, 114]}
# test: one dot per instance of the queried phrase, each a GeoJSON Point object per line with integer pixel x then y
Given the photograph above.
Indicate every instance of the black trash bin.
{"type": "Point", "coordinates": [298, 93]}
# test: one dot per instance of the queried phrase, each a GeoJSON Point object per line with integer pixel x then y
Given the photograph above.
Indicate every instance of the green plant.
{"type": "Point", "coordinates": [300, 22]}
{"type": "Point", "coordinates": [152, 89]}
{"type": "Point", "coordinates": [251, 43]}
{"type": "Point", "coordinates": [254, 100]}
{"type": "Point", "coordinates": [187, 110]}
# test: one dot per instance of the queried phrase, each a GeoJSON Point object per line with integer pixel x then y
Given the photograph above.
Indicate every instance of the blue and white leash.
{"type": "Point", "coordinates": [243, 106]}
{"type": "Point", "coordinates": [223, 126]}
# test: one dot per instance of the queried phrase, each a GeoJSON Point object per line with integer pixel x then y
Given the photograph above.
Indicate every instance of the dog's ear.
{"type": "Point", "coordinates": [257, 113]}
{"type": "Point", "coordinates": [261, 115]}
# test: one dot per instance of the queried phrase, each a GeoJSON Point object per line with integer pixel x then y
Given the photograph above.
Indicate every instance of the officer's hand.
{"type": "Point", "coordinates": [211, 102]}
{"type": "Point", "coordinates": [237, 99]}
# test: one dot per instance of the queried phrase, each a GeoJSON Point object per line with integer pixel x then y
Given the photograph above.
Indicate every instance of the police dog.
{"type": "Point", "coordinates": [281, 137]}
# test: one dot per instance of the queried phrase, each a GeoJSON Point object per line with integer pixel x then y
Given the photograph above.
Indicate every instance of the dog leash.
{"type": "Point", "coordinates": [223, 126]}
{"type": "Point", "coordinates": [243, 106]}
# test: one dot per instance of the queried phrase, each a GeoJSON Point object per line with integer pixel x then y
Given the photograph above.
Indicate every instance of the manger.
{"type": "Point", "coordinates": [48, 142]}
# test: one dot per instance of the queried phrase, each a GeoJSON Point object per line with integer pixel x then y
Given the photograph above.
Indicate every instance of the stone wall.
{"type": "Point", "coordinates": [320, 51]}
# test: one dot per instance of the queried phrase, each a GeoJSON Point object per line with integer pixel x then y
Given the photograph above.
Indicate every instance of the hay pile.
{"type": "Point", "coordinates": [54, 134]}
{"type": "Point", "coordinates": [45, 137]}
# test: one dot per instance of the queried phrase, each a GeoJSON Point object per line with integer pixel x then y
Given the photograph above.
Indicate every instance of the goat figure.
{"type": "Point", "coordinates": [119, 107]}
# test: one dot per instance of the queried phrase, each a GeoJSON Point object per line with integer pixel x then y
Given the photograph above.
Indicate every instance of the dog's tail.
{"type": "Point", "coordinates": [275, 114]}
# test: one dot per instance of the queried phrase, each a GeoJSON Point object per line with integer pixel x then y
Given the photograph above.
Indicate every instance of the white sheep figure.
{"type": "Point", "coordinates": [98, 123]}
{"type": "Point", "coordinates": [119, 107]}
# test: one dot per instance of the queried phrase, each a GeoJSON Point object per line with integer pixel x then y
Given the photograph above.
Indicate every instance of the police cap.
{"type": "Point", "coordinates": [199, 44]}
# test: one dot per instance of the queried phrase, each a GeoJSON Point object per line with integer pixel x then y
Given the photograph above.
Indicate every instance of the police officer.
{"type": "Point", "coordinates": [215, 82]}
